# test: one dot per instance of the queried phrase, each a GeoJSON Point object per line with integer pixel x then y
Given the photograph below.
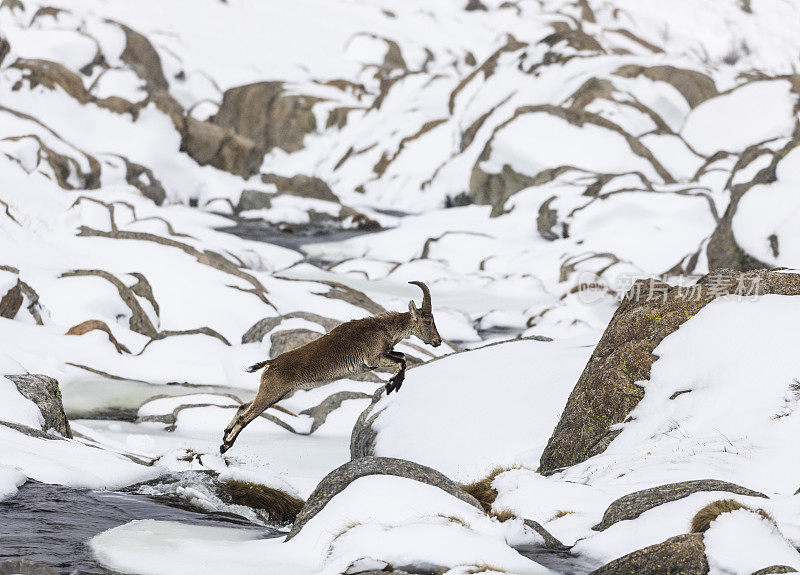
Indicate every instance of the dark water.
{"type": "Point", "coordinates": [51, 524]}
{"type": "Point", "coordinates": [560, 561]}
{"type": "Point", "coordinates": [291, 236]}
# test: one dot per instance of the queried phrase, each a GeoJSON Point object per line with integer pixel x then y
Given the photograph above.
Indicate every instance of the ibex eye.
{"type": "Point", "coordinates": [427, 323]}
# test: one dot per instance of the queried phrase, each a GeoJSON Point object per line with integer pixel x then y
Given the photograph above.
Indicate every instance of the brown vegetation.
{"type": "Point", "coordinates": [281, 507]}
{"type": "Point", "coordinates": [703, 518]}
{"type": "Point", "coordinates": [482, 489]}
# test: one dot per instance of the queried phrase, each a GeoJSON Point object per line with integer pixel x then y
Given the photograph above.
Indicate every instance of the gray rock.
{"type": "Point", "coordinates": [11, 302]}
{"type": "Point", "coordinates": [143, 179]}
{"type": "Point", "coordinates": [263, 326]}
{"type": "Point", "coordinates": [362, 438]}
{"type": "Point", "coordinates": [267, 115]}
{"type": "Point", "coordinates": [634, 504]}
{"type": "Point", "coordinates": [683, 554]}
{"type": "Point", "coordinates": [208, 143]}
{"type": "Point", "coordinates": [351, 296]}
{"type": "Point", "coordinates": [24, 567]}
{"type": "Point", "coordinates": [494, 189]}
{"type": "Point", "coordinates": [254, 200]}
{"type": "Point", "coordinates": [550, 542]}
{"type": "Point", "coordinates": [723, 251]}
{"type": "Point", "coordinates": [30, 431]}
{"type": "Point", "coordinates": [694, 86]}
{"type": "Point", "coordinates": [607, 391]}
{"type": "Point", "coordinates": [289, 339]}
{"type": "Point", "coordinates": [302, 186]}
{"type": "Point", "coordinates": [319, 413]}
{"type": "Point", "coordinates": [775, 569]}
{"type": "Point", "coordinates": [546, 220]}
{"type": "Point", "coordinates": [338, 479]}
{"type": "Point", "coordinates": [44, 392]}
{"type": "Point", "coordinates": [170, 420]}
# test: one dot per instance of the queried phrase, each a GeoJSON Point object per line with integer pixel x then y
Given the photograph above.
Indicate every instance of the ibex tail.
{"type": "Point", "coordinates": [257, 366]}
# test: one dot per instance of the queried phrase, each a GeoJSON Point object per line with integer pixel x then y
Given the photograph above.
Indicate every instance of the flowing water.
{"type": "Point", "coordinates": [561, 561]}
{"type": "Point", "coordinates": [51, 524]}
{"type": "Point", "coordinates": [292, 237]}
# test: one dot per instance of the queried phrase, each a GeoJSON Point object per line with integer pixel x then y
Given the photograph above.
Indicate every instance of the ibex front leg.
{"type": "Point", "coordinates": [398, 360]}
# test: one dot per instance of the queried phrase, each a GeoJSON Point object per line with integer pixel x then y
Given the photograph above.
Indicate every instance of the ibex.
{"type": "Point", "coordinates": [350, 348]}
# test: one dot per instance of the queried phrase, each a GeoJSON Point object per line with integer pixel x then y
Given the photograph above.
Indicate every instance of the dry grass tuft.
{"type": "Point", "coordinates": [703, 518]}
{"type": "Point", "coordinates": [561, 513]}
{"type": "Point", "coordinates": [482, 489]}
{"type": "Point", "coordinates": [456, 520]}
{"type": "Point", "coordinates": [280, 506]}
{"type": "Point", "coordinates": [482, 568]}
{"type": "Point", "coordinates": [502, 515]}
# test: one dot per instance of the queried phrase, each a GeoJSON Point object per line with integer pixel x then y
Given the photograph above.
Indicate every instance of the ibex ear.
{"type": "Point", "coordinates": [413, 309]}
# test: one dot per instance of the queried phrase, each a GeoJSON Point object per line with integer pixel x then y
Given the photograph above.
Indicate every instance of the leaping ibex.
{"type": "Point", "coordinates": [350, 348]}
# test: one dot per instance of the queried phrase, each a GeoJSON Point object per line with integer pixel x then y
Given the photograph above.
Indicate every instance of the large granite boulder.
{"type": "Point", "coordinates": [268, 115]}
{"type": "Point", "coordinates": [208, 143]}
{"type": "Point", "coordinates": [302, 186]}
{"type": "Point", "coordinates": [44, 392]}
{"type": "Point", "coordinates": [254, 200]}
{"type": "Point", "coordinates": [363, 436]}
{"type": "Point", "coordinates": [607, 391]}
{"type": "Point", "coordinates": [338, 479]}
{"type": "Point", "coordinates": [684, 554]}
{"type": "Point", "coordinates": [263, 326]}
{"type": "Point", "coordinates": [25, 567]}
{"type": "Point", "coordinates": [694, 86]}
{"type": "Point", "coordinates": [634, 504]}
{"type": "Point", "coordinates": [289, 339]}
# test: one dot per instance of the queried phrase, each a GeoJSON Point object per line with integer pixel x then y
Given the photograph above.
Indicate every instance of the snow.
{"type": "Point", "coordinates": [432, 95]}
{"type": "Point", "coordinates": [539, 140]}
{"type": "Point", "coordinates": [733, 422]}
{"type": "Point", "coordinates": [166, 405]}
{"type": "Point", "coordinates": [418, 524]}
{"type": "Point", "coordinates": [10, 480]}
{"type": "Point", "coordinates": [469, 412]}
{"type": "Point", "coordinates": [69, 462]}
{"type": "Point", "coordinates": [16, 408]}
{"type": "Point", "coordinates": [769, 104]}
{"type": "Point", "coordinates": [742, 542]}
{"type": "Point", "coordinates": [732, 426]}
{"type": "Point", "coordinates": [769, 210]}
{"type": "Point", "coordinates": [651, 527]}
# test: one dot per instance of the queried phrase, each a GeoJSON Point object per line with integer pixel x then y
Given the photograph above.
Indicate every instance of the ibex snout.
{"type": "Point", "coordinates": [424, 325]}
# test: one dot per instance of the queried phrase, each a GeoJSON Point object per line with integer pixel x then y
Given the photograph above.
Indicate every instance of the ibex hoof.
{"type": "Point", "coordinates": [224, 447]}
{"type": "Point", "coordinates": [389, 388]}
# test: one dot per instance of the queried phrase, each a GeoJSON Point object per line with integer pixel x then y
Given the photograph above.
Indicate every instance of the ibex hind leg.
{"type": "Point", "coordinates": [238, 416]}
{"type": "Point", "coordinates": [265, 398]}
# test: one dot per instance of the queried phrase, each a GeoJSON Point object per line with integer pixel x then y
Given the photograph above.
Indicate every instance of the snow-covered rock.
{"type": "Point", "coordinates": [681, 554]}
{"type": "Point", "coordinates": [612, 384]}
{"type": "Point", "coordinates": [44, 392]}
{"type": "Point", "coordinates": [528, 160]}
{"type": "Point", "coordinates": [340, 478]}
{"type": "Point", "coordinates": [472, 411]}
{"type": "Point", "coordinates": [375, 521]}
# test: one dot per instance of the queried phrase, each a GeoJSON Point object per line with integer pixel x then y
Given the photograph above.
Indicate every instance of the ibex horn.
{"type": "Point", "coordinates": [426, 296]}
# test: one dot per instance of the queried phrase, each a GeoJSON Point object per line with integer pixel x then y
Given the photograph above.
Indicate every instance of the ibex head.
{"type": "Point", "coordinates": [422, 318]}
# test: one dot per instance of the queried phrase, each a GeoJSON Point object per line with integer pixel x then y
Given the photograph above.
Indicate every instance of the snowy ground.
{"type": "Point", "coordinates": [528, 161]}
